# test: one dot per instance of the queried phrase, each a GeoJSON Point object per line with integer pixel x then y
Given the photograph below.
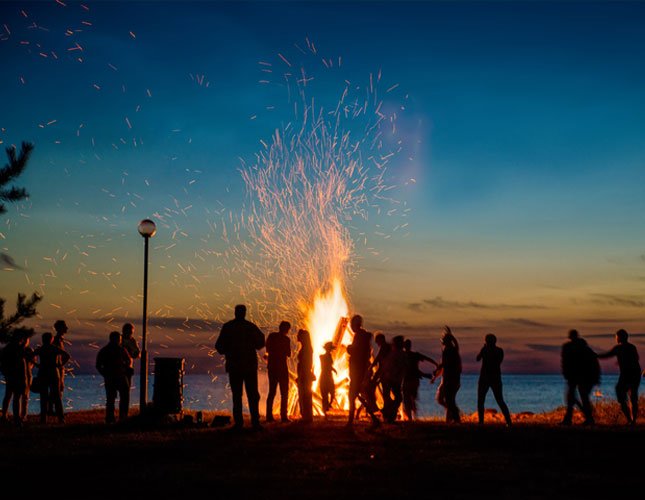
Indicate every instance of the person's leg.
{"type": "Point", "coordinates": [634, 398]}
{"type": "Point", "coordinates": [451, 401]}
{"type": "Point", "coordinates": [482, 390]}
{"type": "Point", "coordinates": [44, 401]}
{"type": "Point", "coordinates": [236, 381]}
{"type": "Point", "coordinates": [570, 398]}
{"type": "Point", "coordinates": [17, 397]}
{"type": "Point", "coordinates": [110, 397]}
{"type": "Point", "coordinates": [499, 398]}
{"type": "Point", "coordinates": [273, 385]}
{"type": "Point", "coordinates": [124, 400]}
{"type": "Point", "coordinates": [621, 396]}
{"type": "Point", "coordinates": [396, 401]}
{"type": "Point", "coordinates": [284, 397]}
{"type": "Point", "coordinates": [585, 399]}
{"type": "Point", "coordinates": [253, 396]}
{"type": "Point", "coordinates": [7, 399]}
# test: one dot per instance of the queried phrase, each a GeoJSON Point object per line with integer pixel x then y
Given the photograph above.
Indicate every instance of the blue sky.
{"type": "Point", "coordinates": [524, 122]}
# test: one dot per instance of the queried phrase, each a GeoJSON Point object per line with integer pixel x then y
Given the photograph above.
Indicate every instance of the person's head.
{"type": "Point", "coordinates": [490, 339]}
{"type": "Point", "coordinates": [621, 336]}
{"type": "Point", "coordinates": [303, 337]}
{"type": "Point", "coordinates": [356, 322]}
{"type": "Point", "coordinates": [60, 327]}
{"type": "Point", "coordinates": [407, 344]}
{"type": "Point", "coordinates": [47, 338]}
{"type": "Point", "coordinates": [446, 335]}
{"type": "Point", "coordinates": [397, 342]}
{"type": "Point", "coordinates": [329, 346]}
{"type": "Point", "coordinates": [379, 338]}
{"type": "Point", "coordinates": [573, 334]}
{"type": "Point", "coordinates": [127, 330]}
{"type": "Point", "coordinates": [284, 327]}
{"type": "Point", "coordinates": [240, 311]}
{"type": "Point", "coordinates": [115, 338]}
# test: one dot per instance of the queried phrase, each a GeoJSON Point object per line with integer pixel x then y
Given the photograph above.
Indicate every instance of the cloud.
{"type": "Point", "coordinates": [7, 260]}
{"type": "Point", "coordinates": [618, 300]}
{"type": "Point", "coordinates": [544, 347]}
{"type": "Point", "coordinates": [527, 322]}
{"type": "Point", "coordinates": [643, 257]}
{"type": "Point", "coordinates": [440, 303]}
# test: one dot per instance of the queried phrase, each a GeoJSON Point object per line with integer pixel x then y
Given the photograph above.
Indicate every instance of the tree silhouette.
{"type": "Point", "coordinates": [25, 307]}
{"type": "Point", "coordinates": [10, 172]}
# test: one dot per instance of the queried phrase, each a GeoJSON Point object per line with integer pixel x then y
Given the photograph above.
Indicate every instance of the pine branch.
{"type": "Point", "coordinates": [11, 171]}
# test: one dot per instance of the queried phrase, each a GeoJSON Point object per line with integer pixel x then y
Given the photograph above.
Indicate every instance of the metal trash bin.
{"type": "Point", "coordinates": [168, 392]}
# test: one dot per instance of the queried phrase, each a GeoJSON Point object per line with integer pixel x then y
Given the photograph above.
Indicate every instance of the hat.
{"type": "Point", "coordinates": [329, 346]}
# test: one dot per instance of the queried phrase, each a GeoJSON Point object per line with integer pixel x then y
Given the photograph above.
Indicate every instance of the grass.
{"type": "Point", "coordinates": [174, 458]}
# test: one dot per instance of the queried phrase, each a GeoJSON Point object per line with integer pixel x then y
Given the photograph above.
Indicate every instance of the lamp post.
{"type": "Point", "coordinates": [147, 229]}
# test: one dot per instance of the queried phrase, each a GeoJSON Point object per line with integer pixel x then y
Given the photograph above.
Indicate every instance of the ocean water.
{"type": "Point", "coordinates": [523, 393]}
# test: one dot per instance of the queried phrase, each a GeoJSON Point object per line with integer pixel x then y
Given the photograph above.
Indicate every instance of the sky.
{"type": "Point", "coordinates": [518, 181]}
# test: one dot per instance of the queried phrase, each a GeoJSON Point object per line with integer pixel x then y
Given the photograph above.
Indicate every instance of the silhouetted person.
{"type": "Point", "coordinates": [327, 384]}
{"type": "Point", "coordinates": [129, 343]}
{"type": "Point", "coordinates": [239, 340]}
{"type": "Point", "coordinates": [384, 348]}
{"type": "Point", "coordinates": [450, 370]}
{"type": "Point", "coordinates": [306, 376]}
{"type": "Point", "coordinates": [490, 377]}
{"type": "Point", "coordinates": [359, 352]}
{"type": "Point", "coordinates": [17, 361]}
{"type": "Point", "coordinates": [113, 362]}
{"type": "Point", "coordinates": [51, 362]}
{"type": "Point", "coordinates": [412, 378]}
{"type": "Point", "coordinates": [630, 374]}
{"type": "Point", "coordinates": [278, 350]}
{"type": "Point", "coordinates": [581, 371]}
{"type": "Point", "coordinates": [60, 327]}
{"type": "Point", "coordinates": [394, 367]}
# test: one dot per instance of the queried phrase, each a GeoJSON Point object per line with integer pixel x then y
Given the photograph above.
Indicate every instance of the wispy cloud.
{"type": "Point", "coordinates": [441, 303]}
{"type": "Point", "coordinates": [527, 322]}
{"type": "Point", "coordinates": [544, 347]}
{"type": "Point", "coordinates": [618, 300]}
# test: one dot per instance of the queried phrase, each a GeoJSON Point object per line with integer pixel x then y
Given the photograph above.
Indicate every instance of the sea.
{"type": "Point", "coordinates": [523, 393]}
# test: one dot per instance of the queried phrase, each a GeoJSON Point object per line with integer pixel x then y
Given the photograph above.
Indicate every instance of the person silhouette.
{"type": "Point", "coordinates": [359, 352]}
{"type": "Point", "coordinates": [60, 327]}
{"type": "Point", "coordinates": [450, 371]}
{"type": "Point", "coordinates": [239, 340]}
{"type": "Point", "coordinates": [51, 363]}
{"type": "Point", "coordinates": [129, 343]}
{"type": "Point", "coordinates": [581, 371]}
{"type": "Point", "coordinates": [629, 379]}
{"type": "Point", "coordinates": [17, 362]}
{"type": "Point", "coordinates": [278, 350]}
{"type": "Point", "coordinates": [327, 384]}
{"type": "Point", "coordinates": [378, 364]}
{"type": "Point", "coordinates": [306, 376]}
{"type": "Point", "coordinates": [490, 377]}
{"type": "Point", "coordinates": [113, 362]}
{"type": "Point", "coordinates": [412, 378]}
{"type": "Point", "coordinates": [394, 368]}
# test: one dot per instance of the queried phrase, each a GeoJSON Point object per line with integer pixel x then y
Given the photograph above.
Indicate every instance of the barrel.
{"type": "Point", "coordinates": [168, 392]}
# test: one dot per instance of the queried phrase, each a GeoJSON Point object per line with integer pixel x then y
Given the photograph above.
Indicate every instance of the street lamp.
{"type": "Point", "coordinates": [147, 229]}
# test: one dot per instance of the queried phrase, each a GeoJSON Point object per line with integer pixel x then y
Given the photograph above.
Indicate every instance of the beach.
{"type": "Point", "coordinates": [176, 457]}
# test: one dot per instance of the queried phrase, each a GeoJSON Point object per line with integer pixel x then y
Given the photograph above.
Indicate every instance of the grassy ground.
{"type": "Point", "coordinates": [536, 458]}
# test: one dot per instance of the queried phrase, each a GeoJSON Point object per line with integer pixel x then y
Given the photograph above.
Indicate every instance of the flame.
{"type": "Point", "coordinates": [326, 319]}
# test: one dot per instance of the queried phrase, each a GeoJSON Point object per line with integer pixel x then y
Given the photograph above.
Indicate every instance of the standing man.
{"type": "Point", "coordinates": [581, 370]}
{"type": "Point", "coordinates": [113, 362]}
{"type": "Point", "coordinates": [278, 350]}
{"type": "Point", "coordinates": [360, 351]}
{"type": "Point", "coordinates": [60, 327]}
{"type": "Point", "coordinates": [238, 341]}
{"type": "Point", "coordinates": [490, 377]}
{"type": "Point", "coordinates": [51, 362]}
{"type": "Point", "coordinates": [412, 379]}
{"type": "Point", "coordinates": [129, 343]}
{"type": "Point", "coordinates": [630, 374]}
{"type": "Point", "coordinates": [450, 370]}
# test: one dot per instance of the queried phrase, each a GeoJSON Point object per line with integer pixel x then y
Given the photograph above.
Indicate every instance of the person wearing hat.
{"type": "Point", "coordinates": [327, 384]}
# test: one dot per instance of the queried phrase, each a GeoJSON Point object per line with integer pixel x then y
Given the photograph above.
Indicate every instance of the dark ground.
{"type": "Point", "coordinates": [86, 458]}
